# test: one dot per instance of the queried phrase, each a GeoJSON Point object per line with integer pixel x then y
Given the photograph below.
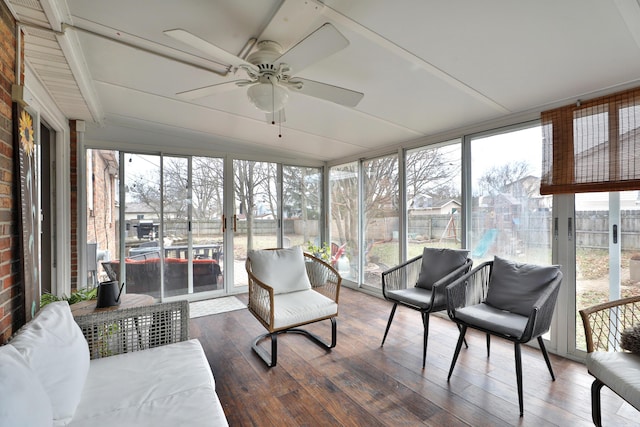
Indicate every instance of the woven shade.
{"type": "Point", "coordinates": [592, 146]}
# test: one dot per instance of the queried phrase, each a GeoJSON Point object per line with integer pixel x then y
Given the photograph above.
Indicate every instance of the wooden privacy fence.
{"type": "Point", "coordinates": [533, 228]}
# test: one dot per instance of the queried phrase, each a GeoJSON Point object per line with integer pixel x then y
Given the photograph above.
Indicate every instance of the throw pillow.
{"type": "Point", "coordinates": [23, 401]}
{"type": "Point", "coordinates": [437, 263]}
{"type": "Point", "coordinates": [515, 287]}
{"type": "Point", "coordinates": [630, 339]}
{"type": "Point", "coordinates": [54, 348]}
{"type": "Point", "coordinates": [282, 269]}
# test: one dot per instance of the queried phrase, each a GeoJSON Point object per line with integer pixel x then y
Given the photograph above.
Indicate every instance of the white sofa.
{"type": "Point", "coordinates": [130, 367]}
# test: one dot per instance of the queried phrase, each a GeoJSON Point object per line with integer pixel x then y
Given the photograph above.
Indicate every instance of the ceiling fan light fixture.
{"type": "Point", "coordinates": [268, 97]}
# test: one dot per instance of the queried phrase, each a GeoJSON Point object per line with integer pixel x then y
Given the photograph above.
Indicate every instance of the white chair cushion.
{"type": "Point", "coordinates": [620, 371]}
{"type": "Point", "coordinates": [282, 269]}
{"type": "Point", "coordinates": [23, 401]}
{"type": "Point", "coordinates": [53, 346]}
{"type": "Point", "coordinates": [296, 308]}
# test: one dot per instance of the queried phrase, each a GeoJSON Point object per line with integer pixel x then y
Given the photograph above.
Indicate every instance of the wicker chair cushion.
{"type": "Point", "coordinates": [495, 320]}
{"type": "Point", "coordinates": [295, 308]}
{"type": "Point", "coordinates": [23, 400]}
{"type": "Point", "coordinates": [437, 263]}
{"type": "Point", "coordinates": [282, 269]}
{"type": "Point", "coordinates": [515, 287]}
{"type": "Point", "coordinates": [630, 339]}
{"type": "Point", "coordinates": [417, 297]}
{"type": "Point", "coordinates": [619, 370]}
{"type": "Point", "coordinates": [53, 346]}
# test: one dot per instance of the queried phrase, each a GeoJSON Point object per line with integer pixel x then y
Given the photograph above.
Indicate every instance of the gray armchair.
{"type": "Point", "coordinates": [420, 283]}
{"type": "Point", "coordinates": [510, 300]}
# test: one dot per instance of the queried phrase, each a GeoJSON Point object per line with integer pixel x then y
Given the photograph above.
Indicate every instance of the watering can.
{"type": "Point", "coordinates": [109, 294]}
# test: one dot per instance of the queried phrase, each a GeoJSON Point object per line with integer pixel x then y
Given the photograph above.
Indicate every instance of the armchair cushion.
{"type": "Point", "coordinates": [282, 269]}
{"type": "Point", "coordinates": [437, 263]}
{"type": "Point", "coordinates": [515, 287]}
{"type": "Point", "coordinates": [295, 308]}
{"type": "Point", "coordinates": [415, 296]}
{"type": "Point", "coordinates": [490, 318]}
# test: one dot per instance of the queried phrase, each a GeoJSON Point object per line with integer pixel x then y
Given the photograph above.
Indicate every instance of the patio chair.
{"type": "Point", "coordinates": [288, 289]}
{"type": "Point", "coordinates": [507, 299]}
{"type": "Point", "coordinates": [611, 328]}
{"type": "Point", "coordinates": [420, 282]}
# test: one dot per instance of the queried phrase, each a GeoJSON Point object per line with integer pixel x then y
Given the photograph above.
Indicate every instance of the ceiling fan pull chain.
{"type": "Point", "coordinates": [273, 101]}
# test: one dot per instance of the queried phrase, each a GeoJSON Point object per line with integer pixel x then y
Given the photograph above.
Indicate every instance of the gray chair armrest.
{"type": "Point", "coordinates": [136, 328]}
{"type": "Point", "coordinates": [470, 289]}
{"type": "Point", "coordinates": [542, 312]}
{"type": "Point", "coordinates": [401, 276]}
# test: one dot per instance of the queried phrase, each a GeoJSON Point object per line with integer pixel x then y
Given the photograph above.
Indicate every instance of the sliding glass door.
{"type": "Point", "coordinates": [607, 248]}
{"type": "Point", "coordinates": [166, 241]}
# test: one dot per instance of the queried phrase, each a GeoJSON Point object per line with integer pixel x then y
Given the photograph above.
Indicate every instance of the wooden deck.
{"type": "Point", "coordinates": [361, 384]}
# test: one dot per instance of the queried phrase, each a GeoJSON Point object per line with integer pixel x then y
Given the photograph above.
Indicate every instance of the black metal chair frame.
{"type": "Point", "coordinates": [472, 289]}
{"type": "Point", "coordinates": [406, 274]}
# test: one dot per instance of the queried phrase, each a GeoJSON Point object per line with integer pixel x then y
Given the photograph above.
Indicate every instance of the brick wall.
{"type": "Point", "coordinates": [12, 314]}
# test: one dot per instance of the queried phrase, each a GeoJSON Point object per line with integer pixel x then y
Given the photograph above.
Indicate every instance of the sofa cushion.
{"type": "Point", "coordinates": [282, 269]}
{"type": "Point", "coordinates": [23, 400]}
{"type": "Point", "coordinates": [53, 346]}
{"type": "Point", "coordinates": [171, 385]}
{"type": "Point", "coordinates": [515, 287]}
{"type": "Point", "coordinates": [437, 263]}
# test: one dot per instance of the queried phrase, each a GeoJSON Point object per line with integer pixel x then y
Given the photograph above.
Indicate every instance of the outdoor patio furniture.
{"type": "Point", "coordinates": [606, 359]}
{"type": "Point", "coordinates": [509, 300]}
{"type": "Point", "coordinates": [420, 283]}
{"type": "Point", "coordinates": [288, 289]}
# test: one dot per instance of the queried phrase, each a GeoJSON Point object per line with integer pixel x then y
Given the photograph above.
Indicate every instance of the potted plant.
{"type": "Point", "coordinates": [634, 267]}
{"type": "Point", "coordinates": [317, 272]}
{"type": "Point", "coordinates": [323, 252]}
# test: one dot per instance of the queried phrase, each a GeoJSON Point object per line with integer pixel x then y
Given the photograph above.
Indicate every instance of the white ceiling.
{"type": "Point", "coordinates": [425, 67]}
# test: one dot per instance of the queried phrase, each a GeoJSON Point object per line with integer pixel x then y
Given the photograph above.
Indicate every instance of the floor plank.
{"type": "Point", "coordinates": [359, 383]}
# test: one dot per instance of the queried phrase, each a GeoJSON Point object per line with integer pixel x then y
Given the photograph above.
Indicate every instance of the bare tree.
{"type": "Point", "coordinates": [497, 178]}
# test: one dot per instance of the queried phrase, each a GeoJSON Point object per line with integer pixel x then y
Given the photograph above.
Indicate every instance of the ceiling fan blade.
{"type": "Point", "coordinates": [323, 42]}
{"type": "Point", "coordinates": [339, 95]}
{"type": "Point", "coordinates": [208, 90]}
{"type": "Point", "coordinates": [210, 49]}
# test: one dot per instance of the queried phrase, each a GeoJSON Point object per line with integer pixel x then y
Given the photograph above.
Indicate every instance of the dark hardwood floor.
{"type": "Point", "coordinates": [359, 383]}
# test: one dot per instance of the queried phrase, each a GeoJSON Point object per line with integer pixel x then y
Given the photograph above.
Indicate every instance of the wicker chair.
{"type": "Point", "coordinates": [509, 300]}
{"type": "Point", "coordinates": [288, 289]}
{"type": "Point", "coordinates": [606, 361]}
{"type": "Point", "coordinates": [420, 283]}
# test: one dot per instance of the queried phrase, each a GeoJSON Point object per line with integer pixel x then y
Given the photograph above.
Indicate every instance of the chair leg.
{"type": "Point", "coordinates": [488, 344]}
{"type": "Point", "coordinates": [273, 359]}
{"type": "Point", "coordinates": [463, 331]}
{"type": "Point", "coordinates": [270, 360]}
{"type": "Point", "coordinates": [465, 340]}
{"type": "Point", "coordinates": [386, 331]}
{"type": "Point", "coordinates": [596, 416]}
{"type": "Point", "coordinates": [519, 374]}
{"type": "Point", "coordinates": [425, 322]}
{"type": "Point", "coordinates": [546, 357]}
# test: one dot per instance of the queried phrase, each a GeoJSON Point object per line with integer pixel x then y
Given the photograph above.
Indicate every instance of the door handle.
{"type": "Point", "coordinates": [615, 234]}
{"type": "Point", "coordinates": [224, 223]}
{"type": "Point", "coordinates": [235, 223]}
{"type": "Point", "coordinates": [570, 228]}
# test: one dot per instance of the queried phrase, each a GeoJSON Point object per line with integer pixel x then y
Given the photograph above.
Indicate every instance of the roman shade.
{"type": "Point", "coordinates": [592, 146]}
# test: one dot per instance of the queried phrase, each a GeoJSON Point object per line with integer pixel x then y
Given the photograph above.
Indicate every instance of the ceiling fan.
{"type": "Point", "coordinates": [269, 70]}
